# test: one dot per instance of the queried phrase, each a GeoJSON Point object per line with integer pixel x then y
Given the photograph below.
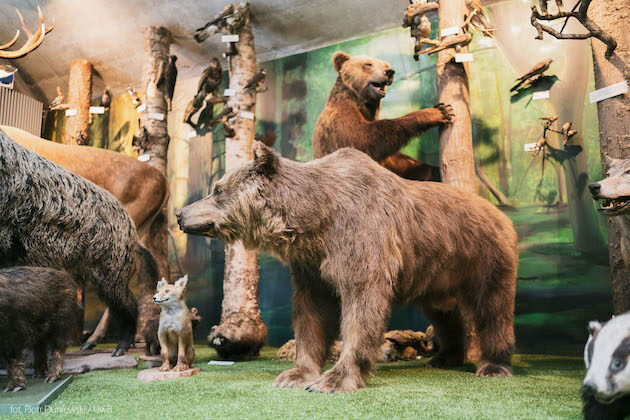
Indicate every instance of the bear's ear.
{"type": "Point", "coordinates": [265, 159]}
{"type": "Point", "coordinates": [339, 58]}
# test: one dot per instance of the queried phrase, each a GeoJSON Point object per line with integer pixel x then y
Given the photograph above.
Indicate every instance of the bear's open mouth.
{"type": "Point", "coordinates": [379, 87]}
{"type": "Point", "coordinates": [614, 205]}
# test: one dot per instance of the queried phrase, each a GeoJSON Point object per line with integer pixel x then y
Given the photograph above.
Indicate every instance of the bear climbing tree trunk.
{"type": "Point", "coordinates": [457, 164]}
{"type": "Point", "coordinates": [614, 120]}
{"type": "Point", "coordinates": [242, 331]}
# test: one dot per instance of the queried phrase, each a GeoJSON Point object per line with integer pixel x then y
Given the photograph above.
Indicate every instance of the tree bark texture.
{"type": "Point", "coordinates": [613, 16]}
{"type": "Point", "coordinates": [79, 96]}
{"type": "Point", "coordinates": [157, 41]}
{"type": "Point", "coordinates": [457, 164]}
{"type": "Point", "coordinates": [242, 331]}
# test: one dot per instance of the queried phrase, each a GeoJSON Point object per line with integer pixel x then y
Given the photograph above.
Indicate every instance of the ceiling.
{"type": "Point", "coordinates": [109, 34]}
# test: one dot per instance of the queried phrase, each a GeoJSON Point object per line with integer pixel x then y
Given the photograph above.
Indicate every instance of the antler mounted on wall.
{"type": "Point", "coordinates": [581, 15]}
{"type": "Point", "coordinates": [34, 39]}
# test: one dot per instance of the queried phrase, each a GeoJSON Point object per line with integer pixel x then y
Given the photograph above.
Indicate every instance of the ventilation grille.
{"type": "Point", "coordinates": [20, 111]}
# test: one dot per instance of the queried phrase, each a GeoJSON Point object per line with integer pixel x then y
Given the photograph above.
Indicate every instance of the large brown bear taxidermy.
{"type": "Point", "coordinates": [358, 238]}
{"type": "Point", "coordinates": [350, 118]}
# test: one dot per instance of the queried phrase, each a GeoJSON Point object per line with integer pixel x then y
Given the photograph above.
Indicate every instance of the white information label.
{"type": "Point", "coordinates": [97, 110]}
{"type": "Point", "coordinates": [453, 30]}
{"type": "Point", "coordinates": [141, 108]}
{"type": "Point", "coordinates": [247, 115]}
{"type": "Point", "coordinates": [540, 95]}
{"type": "Point", "coordinates": [608, 92]}
{"type": "Point", "coordinates": [229, 38]}
{"type": "Point", "coordinates": [156, 116]}
{"type": "Point", "coordinates": [228, 92]}
{"type": "Point", "coordinates": [71, 112]}
{"type": "Point", "coordinates": [221, 362]}
{"type": "Point", "coordinates": [192, 134]}
{"type": "Point", "coordinates": [462, 58]}
{"type": "Point", "coordinates": [144, 158]}
{"type": "Point", "coordinates": [530, 147]}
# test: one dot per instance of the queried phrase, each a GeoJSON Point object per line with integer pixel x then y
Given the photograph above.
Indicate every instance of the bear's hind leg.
{"type": "Point", "coordinates": [494, 319]}
{"type": "Point", "coordinates": [448, 325]}
{"type": "Point", "coordinates": [316, 326]}
{"type": "Point", "coordinates": [364, 317]}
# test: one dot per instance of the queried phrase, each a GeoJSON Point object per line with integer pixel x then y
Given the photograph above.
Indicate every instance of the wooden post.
{"type": "Point", "coordinates": [79, 97]}
{"type": "Point", "coordinates": [614, 123]}
{"type": "Point", "coordinates": [242, 331]}
{"type": "Point", "coordinates": [157, 42]}
{"type": "Point", "coordinates": [457, 164]}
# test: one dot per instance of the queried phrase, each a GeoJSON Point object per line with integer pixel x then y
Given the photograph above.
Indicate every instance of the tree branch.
{"type": "Point", "coordinates": [581, 15]}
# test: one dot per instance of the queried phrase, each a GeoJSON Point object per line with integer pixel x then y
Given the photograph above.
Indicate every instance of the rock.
{"type": "Point", "coordinates": [151, 361]}
{"type": "Point", "coordinates": [154, 374]}
{"type": "Point", "coordinates": [97, 361]}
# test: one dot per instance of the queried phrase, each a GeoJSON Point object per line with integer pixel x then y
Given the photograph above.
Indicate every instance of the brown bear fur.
{"type": "Point", "coordinates": [359, 238]}
{"type": "Point", "coordinates": [350, 118]}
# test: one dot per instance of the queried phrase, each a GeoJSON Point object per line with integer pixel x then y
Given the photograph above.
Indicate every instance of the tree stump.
{"type": "Point", "coordinates": [457, 164]}
{"type": "Point", "coordinates": [614, 122]}
{"type": "Point", "coordinates": [79, 97]}
{"type": "Point", "coordinates": [242, 331]}
{"type": "Point", "coordinates": [157, 42]}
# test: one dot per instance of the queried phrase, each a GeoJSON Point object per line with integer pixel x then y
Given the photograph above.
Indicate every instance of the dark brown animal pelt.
{"type": "Point", "coordinates": [350, 118]}
{"type": "Point", "coordinates": [359, 238]}
{"type": "Point", "coordinates": [39, 311]}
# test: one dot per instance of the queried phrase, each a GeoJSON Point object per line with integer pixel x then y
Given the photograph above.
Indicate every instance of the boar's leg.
{"type": "Point", "coordinates": [56, 365]}
{"type": "Point", "coordinates": [41, 363]}
{"type": "Point", "coordinates": [17, 380]}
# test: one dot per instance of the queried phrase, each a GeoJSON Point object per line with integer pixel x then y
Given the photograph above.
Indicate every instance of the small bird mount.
{"type": "Point", "coordinates": [543, 144]}
{"type": "Point", "coordinates": [579, 12]}
{"type": "Point", "coordinates": [229, 21]}
{"type": "Point", "coordinates": [416, 20]}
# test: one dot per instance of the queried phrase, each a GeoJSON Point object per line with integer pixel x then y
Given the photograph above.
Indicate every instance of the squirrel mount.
{"type": "Point", "coordinates": [415, 18]}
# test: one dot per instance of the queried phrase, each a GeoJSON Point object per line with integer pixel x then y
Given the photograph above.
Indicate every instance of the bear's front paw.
{"type": "Point", "coordinates": [448, 114]}
{"type": "Point", "coordinates": [334, 381]}
{"type": "Point", "coordinates": [165, 367]}
{"type": "Point", "coordinates": [492, 370]}
{"type": "Point", "coordinates": [297, 377]}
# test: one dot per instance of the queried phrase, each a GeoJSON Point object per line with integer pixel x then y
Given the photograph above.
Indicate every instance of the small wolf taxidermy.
{"type": "Point", "coordinates": [175, 330]}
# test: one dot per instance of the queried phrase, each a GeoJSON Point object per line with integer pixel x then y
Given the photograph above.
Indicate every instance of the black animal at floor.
{"type": "Point", "coordinates": [52, 218]}
{"type": "Point", "coordinates": [38, 310]}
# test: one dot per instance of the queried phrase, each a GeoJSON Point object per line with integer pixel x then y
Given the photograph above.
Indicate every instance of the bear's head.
{"type": "Point", "coordinates": [237, 208]}
{"type": "Point", "coordinates": [367, 77]}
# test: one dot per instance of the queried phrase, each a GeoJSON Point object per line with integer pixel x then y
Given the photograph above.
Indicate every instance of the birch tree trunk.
{"type": "Point", "coordinates": [79, 96]}
{"type": "Point", "coordinates": [242, 331]}
{"type": "Point", "coordinates": [457, 164]}
{"type": "Point", "coordinates": [613, 16]}
{"type": "Point", "coordinates": [157, 42]}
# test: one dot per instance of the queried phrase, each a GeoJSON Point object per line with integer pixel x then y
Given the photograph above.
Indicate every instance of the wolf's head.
{"type": "Point", "coordinates": [169, 295]}
{"type": "Point", "coordinates": [614, 190]}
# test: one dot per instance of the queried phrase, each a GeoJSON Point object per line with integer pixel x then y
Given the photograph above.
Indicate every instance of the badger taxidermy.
{"type": "Point", "coordinates": [606, 386]}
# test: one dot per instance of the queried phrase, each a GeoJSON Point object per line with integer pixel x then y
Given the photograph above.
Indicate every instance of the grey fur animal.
{"type": "Point", "coordinates": [38, 308]}
{"type": "Point", "coordinates": [358, 238]}
{"type": "Point", "coordinates": [50, 217]}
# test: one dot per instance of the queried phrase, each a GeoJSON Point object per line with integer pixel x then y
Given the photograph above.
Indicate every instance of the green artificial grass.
{"type": "Point", "coordinates": [543, 387]}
